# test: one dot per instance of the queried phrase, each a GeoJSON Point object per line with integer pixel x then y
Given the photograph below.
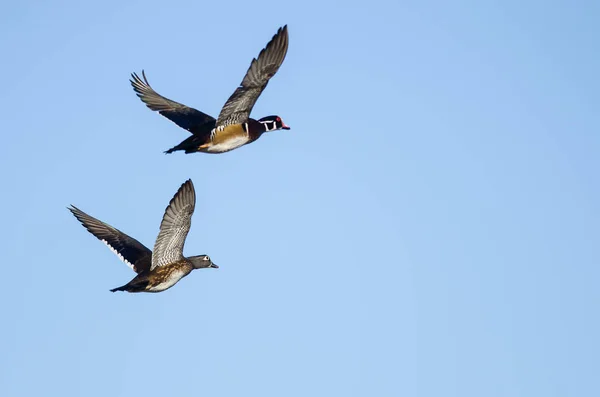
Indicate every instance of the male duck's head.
{"type": "Point", "coordinates": [202, 261]}
{"type": "Point", "coordinates": [272, 123]}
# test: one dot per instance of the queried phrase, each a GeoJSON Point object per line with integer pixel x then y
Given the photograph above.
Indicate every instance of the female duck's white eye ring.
{"type": "Point", "coordinates": [206, 258]}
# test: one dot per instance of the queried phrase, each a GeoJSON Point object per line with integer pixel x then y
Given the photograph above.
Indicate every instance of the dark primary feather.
{"type": "Point", "coordinates": [182, 115]}
{"type": "Point", "coordinates": [129, 248]}
{"type": "Point", "coordinates": [175, 226]}
{"type": "Point", "coordinates": [239, 105]}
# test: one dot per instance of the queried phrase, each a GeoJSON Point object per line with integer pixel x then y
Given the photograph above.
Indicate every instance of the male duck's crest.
{"type": "Point", "coordinates": [234, 127]}
{"type": "Point", "coordinates": [163, 268]}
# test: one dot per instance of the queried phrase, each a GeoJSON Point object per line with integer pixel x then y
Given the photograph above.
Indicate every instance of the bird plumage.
{"type": "Point", "coordinates": [174, 227]}
{"type": "Point", "coordinates": [239, 105]}
{"type": "Point", "coordinates": [135, 254]}
{"type": "Point", "coordinates": [163, 268]}
{"type": "Point", "coordinates": [184, 116]}
{"type": "Point", "coordinates": [236, 111]}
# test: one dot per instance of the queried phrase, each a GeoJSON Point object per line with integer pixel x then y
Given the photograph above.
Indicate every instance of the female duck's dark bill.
{"type": "Point", "coordinates": [214, 266]}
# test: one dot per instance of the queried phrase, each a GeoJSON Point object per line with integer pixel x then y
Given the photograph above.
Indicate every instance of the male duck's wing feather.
{"type": "Point", "coordinates": [239, 105]}
{"type": "Point", "coordinates": [184, 116]}
{"type": "Point", "coordinates": [129, 250]}
{"type": "Point", "coordinates": [175, 226]}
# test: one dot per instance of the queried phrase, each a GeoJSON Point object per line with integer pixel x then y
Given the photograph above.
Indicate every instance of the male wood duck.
{"type": "Point", "coordinates": [163, 268]}
{"type": "Point", "coordinates": [234, 127]}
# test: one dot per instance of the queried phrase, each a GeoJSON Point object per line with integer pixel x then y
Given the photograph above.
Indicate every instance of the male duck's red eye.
{"type": "Point", "coordinates": [278, 119]}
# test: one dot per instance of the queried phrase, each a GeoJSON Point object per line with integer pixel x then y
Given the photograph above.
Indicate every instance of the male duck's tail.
{"type": "Point", "coordinates": [190, 145]}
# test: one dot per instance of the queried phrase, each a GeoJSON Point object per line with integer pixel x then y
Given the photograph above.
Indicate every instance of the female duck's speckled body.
{"type": "Point", "coordinates": [159, 270]}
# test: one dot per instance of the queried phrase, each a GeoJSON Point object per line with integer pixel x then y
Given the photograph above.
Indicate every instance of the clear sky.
{"type": "Point", "coordinates": [428, 227]}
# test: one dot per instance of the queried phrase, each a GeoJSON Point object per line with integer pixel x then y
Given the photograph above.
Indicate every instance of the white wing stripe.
{"type": "Point", "coordinates": [114, 251]}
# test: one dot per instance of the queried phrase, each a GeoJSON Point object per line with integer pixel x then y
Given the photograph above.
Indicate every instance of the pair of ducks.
{"type": "Point", "coordinates": [160, 269]}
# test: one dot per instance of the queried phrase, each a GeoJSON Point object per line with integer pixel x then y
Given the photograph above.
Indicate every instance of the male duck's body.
{"type": "Point", "coordinates": [162, 269]}
{"type": "Point", "coordinates": [234, 127]}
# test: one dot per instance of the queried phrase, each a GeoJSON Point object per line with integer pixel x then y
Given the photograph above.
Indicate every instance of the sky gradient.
{"type": "Point", "coordinates": [428, 227]}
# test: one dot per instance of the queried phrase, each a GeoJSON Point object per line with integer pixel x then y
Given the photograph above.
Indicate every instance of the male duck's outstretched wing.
{"type": "Point", "coordinates": [184, 116]}
{"type": "Point", "coordinates": [129, 250]}
{"type": "Point", "coordinates": [175, 226]}
{"type": "Point", "coordinates": [239, 105]}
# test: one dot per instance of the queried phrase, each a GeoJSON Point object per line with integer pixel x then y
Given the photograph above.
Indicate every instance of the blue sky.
{"type": "Point", "coordinates": [428, 227]}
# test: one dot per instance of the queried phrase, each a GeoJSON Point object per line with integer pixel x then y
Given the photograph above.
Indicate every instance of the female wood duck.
{"type": "Point", "coordinates": [234, 127]}
{"type": "Point", "coordinates": [163, 268]}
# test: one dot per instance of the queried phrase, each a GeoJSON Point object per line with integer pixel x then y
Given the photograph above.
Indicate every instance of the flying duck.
{"type": "Point", "coordinates": [163, 268]}
{"type": "Point", "coordinates": [234, 127]}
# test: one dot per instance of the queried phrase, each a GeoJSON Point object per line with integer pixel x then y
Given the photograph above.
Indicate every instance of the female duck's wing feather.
{"type": "Point", "coordinates": [175, 226]}
{"type": "Point", "coordinates": [129, 250]}
{"type": "Point", "coordinates": [186, 117]}
{"type": "Point", "coordinates": [239, 105]}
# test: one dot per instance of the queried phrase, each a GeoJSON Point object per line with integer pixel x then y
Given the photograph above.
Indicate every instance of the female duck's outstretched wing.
{"type": "Point", "coordinates": [129, 250]}
{"type": "Point", "coordinates": [239, 105]}
{"type": "Point", "coordinates": [175, 226]}
{"type": "Point", "coordinates": [186, 117]}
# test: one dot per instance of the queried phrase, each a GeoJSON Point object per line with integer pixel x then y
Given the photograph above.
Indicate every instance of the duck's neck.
{"type": "Point", "coordinates": [255, 128]}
